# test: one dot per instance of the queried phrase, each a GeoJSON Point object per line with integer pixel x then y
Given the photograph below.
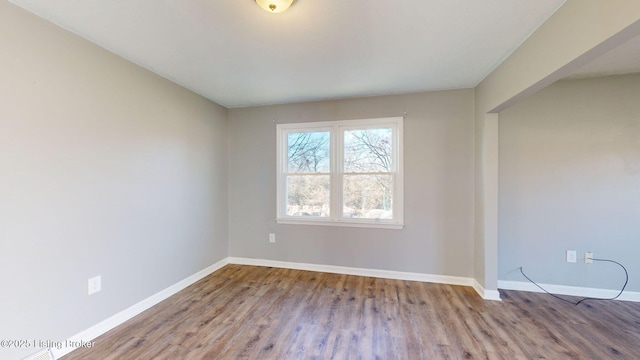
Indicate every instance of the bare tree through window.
{"type": "Point", "coordinates": [308, 152]}
{"type": "Point", "coordinates": [368, 166]}
{"type": "Point", "coordinates": [308, 183]}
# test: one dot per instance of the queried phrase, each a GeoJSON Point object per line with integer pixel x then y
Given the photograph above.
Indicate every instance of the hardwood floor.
{"type": "Point", "coordinates": [248, 312]}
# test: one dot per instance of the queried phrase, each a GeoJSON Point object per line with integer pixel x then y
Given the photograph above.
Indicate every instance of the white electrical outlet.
{"type": "Point", "coordinates": [571, 256]}
{"type": "Point", "coordinates": [94, 285]}
{"type": "Point", "coordinates": [272, 238]}
{"type": "Point", "coordinates": [588, 257]}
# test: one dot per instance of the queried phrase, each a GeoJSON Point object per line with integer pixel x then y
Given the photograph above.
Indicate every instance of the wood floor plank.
{"type": "Point", "coordinates": [248, 312]}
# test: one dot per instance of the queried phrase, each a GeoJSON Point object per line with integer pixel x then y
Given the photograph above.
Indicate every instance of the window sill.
{"type": "Point", "coordinates": [360, 224]}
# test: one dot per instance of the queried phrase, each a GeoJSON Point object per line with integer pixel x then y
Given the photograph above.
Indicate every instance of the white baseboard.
{"type": "Point", "coordinates": [386, 274]}
{"type": "Point", "coordinates": [569, 290]}
{"type": "Point", "coordinates": [486, 294]}
{"type": "Point", "coordinates": [119, 318]}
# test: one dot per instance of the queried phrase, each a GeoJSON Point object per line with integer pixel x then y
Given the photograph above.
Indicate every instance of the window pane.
{"type": "Point", "coordinates": [368, 150]}
{"type": "Point", "coordinates": [308, 152]}
{"type": "Point", "coordinates": [367, 196]}
{"type": "Point", "coordinates": [308, 195]}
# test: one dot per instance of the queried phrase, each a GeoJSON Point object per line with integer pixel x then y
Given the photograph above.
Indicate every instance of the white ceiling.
{"type": "Point", "coordinates": [236, 54]}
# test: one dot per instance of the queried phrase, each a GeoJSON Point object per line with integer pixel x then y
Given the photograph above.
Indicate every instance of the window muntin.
{"type": "Point", "coordinates": [341, 173]}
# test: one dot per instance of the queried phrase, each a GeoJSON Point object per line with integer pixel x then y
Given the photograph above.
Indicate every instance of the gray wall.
{"type": "Point", "coordinates": [570, 179]}
{"type": "Point", "coordinates": [105, 169]}
{"type": "Point", "coordinates": [438, 148]}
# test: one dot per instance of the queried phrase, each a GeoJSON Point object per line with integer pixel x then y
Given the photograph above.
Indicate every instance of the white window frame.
{"type": "Point", "coordinates": [336, 129]}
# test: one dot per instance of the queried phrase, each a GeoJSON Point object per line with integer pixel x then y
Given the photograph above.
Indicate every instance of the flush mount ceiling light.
{"type": "Point", "coordinates": [275, 6]}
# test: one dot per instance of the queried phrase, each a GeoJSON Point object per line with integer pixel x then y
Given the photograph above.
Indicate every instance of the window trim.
{"type": "Point", "coordinates": [336, 129]}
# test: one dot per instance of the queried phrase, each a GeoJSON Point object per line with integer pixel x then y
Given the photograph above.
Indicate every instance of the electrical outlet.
{"type": "Point", "coordinates": [94, 285]}
{"type": "Point", "coordinates": [588, 257]}
{"type": "Point", "coordinates": [272, 238]}
{"type": "Point", "coordinates": [571, 256]}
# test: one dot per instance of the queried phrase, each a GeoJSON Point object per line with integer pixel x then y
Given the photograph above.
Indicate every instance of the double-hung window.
{"type": "Point", "coordinates": [341, 173]}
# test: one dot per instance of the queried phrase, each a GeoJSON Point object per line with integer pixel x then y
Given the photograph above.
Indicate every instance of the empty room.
{"type": "Point", "coordinates": [300, 179]}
